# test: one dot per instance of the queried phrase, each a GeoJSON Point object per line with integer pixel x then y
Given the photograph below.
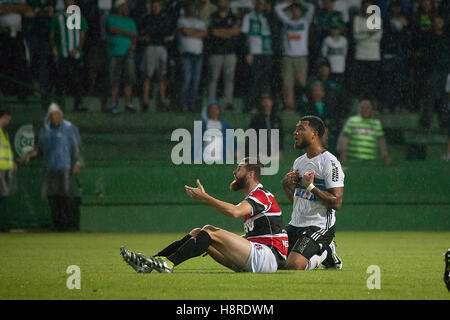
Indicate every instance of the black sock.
{"type": "Point", "coordinates": [174, 246]}
{"type": "Point", "coordinates": [191, 248]}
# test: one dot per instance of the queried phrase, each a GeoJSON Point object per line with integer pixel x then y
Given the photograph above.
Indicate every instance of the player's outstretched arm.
{"type": "Point", "coordinates": [228, 209]}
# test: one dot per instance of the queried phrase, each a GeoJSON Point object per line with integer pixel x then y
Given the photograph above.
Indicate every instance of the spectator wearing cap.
{"type": "Point", "coordinates": [268, 119]}
{"type": "Point", "coordinates": [67, 49]}
{"type": "Point", "coordinates": [258, 33]}
{"type": "Point", "coordinates": [155, 33]}
{"type": "Point", "coordinates": [122, 37]}
{"type": "Point", "coordinates": [191, 31]}
{"type": "Point", "coordinates": [224, 30]}
{"type": "Point", "coordinates": [367, 55]}
{"type": "Point", "coordinates": [334, 49]}
{"type": "Point", "coordinates": [59, 144]}
{"type": "Point", "coordinates": [213, 147]}
{"type": "Point", "coordinates": [295, 35]}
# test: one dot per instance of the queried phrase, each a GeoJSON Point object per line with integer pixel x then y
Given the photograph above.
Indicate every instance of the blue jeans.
{"type": "Point", "coordinates": [191, 69]}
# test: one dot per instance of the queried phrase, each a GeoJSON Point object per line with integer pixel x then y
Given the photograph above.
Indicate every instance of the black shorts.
{"type": "Point", "coordinates": [309, 241]}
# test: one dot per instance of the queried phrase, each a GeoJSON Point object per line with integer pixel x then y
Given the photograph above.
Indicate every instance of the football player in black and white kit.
{"type": "Point", "coordinates": [315, 186]}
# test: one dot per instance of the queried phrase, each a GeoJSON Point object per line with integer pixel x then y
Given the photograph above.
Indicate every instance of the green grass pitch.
{"type": "Point", "coordinates": [34, 265]}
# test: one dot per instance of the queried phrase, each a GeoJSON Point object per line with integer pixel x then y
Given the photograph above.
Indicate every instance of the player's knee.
{"type": "Point", "coordinates": [195, 232]}
{"type": "Point", "coordinates": [208, 228]}
{"type": "Point", "coordinates": [296, 263]}
{"type": "Point", "coordinates": [212, 231]}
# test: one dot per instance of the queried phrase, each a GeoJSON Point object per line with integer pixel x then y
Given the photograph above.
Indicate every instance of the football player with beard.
{"type": "Point", "coordinates": [263, 248]}
{"type": "Point", "coordinates": [315, 186]}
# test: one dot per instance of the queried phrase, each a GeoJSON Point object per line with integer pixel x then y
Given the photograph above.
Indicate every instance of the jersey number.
{"type": "Point", "coordinates": [249, 226]}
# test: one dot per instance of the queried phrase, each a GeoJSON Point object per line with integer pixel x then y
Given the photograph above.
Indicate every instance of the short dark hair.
{"type": "Point", "coordinates": [208, 108]}
{"type": "Point", "coordinates": [253, 164]}
{"type": "Point", "coordinates": [4, 112]}
{"type": "Point", "coordinates": [316, 123]}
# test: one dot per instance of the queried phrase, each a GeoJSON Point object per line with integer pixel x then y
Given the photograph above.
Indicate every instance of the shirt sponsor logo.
{"type": "Point", "coordinates": [304, 194]}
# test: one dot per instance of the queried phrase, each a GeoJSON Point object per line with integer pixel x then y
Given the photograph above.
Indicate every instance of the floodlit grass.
{"type": "Point", "coordinates": [33, 266]}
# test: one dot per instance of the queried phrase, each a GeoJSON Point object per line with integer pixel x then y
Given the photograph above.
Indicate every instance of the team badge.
{"type": "Point", "coordinates": [24, 140]}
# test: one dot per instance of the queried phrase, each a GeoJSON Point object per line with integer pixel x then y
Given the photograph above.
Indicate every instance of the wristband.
{"type": "Point", "coordinates": [310, 187]}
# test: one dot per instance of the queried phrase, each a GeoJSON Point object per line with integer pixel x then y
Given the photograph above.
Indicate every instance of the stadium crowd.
{"type": "Point", "coordinates": [312, 55]}
{"type": "Point", "coordinates": [307, 56]}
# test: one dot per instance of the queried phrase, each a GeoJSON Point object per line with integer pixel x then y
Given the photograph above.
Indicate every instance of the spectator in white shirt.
{"type": "Point", "coordinates": [256, 28]}
{"type": "Point", "coordinates": [334, 48]}
{"type": "Point", "coordinates": [296, 19]}
{"type": "Point", "coordinates": [192, 31]}
{"type": "Point", "coordinates": [367, 54]}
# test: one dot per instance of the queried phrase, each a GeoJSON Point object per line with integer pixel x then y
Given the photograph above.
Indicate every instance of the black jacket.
{"type": "Point", "coordinates": [261, 121]}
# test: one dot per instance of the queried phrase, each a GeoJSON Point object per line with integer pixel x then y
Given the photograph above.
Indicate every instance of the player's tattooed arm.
{"type": "Point", "coordinates": [288, 183]}
{"type": "Point", "coordinates": [332, 197]}
{"type": "Point", "coordinates": [234, 211]}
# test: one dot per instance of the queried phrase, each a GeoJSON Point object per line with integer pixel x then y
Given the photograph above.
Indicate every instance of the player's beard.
{"type": "Point", "coordinates": [302, 145]}
{"type": "Point", "coordinates": [237, 184]}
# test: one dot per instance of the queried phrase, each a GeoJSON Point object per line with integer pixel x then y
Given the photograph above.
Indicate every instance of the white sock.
{"type": "Point", "coordinates": [316, 260]}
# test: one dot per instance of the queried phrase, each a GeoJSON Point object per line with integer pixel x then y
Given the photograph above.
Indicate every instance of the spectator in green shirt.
{"type": "Point", "coordinates": [122, 36]}
{"type": "Point", "coordinates": [361, 135]}
{"type": "Point", "coordinates": [67, 49]}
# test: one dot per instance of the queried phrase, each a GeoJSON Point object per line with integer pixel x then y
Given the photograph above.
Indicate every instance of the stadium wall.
{"type": "Point", "coordinates": [131, 197]}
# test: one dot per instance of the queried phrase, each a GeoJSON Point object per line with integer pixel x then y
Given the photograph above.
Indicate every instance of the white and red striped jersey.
{"type": "Point", "coordinates": [265, 224]}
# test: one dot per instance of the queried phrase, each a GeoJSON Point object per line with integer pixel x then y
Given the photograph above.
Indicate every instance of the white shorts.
{"type": "Point", "coordinates": [261, 259]}
{"type": "Point", "coordinates": [155, 61]}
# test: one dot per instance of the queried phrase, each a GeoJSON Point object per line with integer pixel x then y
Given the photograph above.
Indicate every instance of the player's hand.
{"type": "Point", "coordinates": [249, 59]}
{"type": "Point", "coordinates": [74, 53]}
{"type": "Point", "coordinates": [24, 160]}
{"type": "Point", "coordinates": [308, 178]}
{"type": "Point", "coordinates": [76, 169]}
{"type": "Point", "coordinates": [196, 193]}
{"type": "Point", "coordinates": [291, 178]}
{"type": "Point", "coordinates": [55, 52]}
